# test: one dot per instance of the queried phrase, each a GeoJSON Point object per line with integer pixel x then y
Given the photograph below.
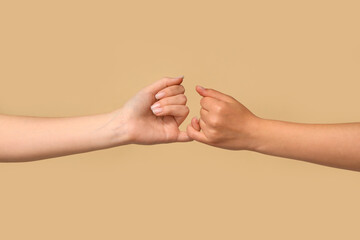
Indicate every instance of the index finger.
{"type": "Point", "coordinates": [164, 83]}
{"type": "Point", "coordinates": [208, 103]}
{"type": "Point", "coordinates": [207, 92]}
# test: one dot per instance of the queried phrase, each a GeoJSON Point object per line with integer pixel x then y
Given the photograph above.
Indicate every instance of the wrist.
{"type": "Point", "coordinates": [257, 134]}
{"type": "Point", "coordinates": [117, 128]}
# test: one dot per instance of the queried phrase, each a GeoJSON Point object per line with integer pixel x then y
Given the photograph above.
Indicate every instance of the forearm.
{"type": "Point", "coordinates": [32, 138]}
{"type": "Point", "coordinates": [336, 145]}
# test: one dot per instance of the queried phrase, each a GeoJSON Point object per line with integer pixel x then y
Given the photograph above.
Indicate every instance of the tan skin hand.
{"type": "Point", "coordinates": [224, 122]}
{"type": "Point", "coordinates": [155, 113]}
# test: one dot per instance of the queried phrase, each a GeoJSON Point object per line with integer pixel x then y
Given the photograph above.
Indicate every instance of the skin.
{"type": "Point", "coordinates": [154, 115]}
{"type": "Point", "coordinates": [226, 123]}
{"type": "Point", "coordinates": [139, 121]}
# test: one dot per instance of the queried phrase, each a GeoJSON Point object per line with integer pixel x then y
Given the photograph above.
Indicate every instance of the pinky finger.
{"type": "Point", "coordinates": [183, 137]}
{"type": "Point", "coordinates": [195, 124]}
{"type": "Point", "coordinates": [196, 135]}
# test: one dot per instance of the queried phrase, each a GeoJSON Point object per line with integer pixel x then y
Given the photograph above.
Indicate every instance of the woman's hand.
{"type": "Point", "coordinates": [153, 115]}
{"type": "Point", "coordinates": [34, 138]}
{"type": "Point", "coordinates": [224, 122]}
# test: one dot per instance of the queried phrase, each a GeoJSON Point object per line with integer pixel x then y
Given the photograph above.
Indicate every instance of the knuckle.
{"type": "Point", "coordinates": [214, 121]}
{"type": "Point", "coordinates": [165, 110]}
{"type": "Point", "coordinates": [165, 91]}
{"type": "Point", "coordinates": [181, 88]}
{"type": "Point", "coordinates": [183, 99]}
{"type": "Point", "coordinates": [163, 102]}
{"type": "Point", "coordinates": [220, 108]}
{"type": "Point", "coordinates": [186, 110]}
{"type": "Point", "coordinates": [203, 101]}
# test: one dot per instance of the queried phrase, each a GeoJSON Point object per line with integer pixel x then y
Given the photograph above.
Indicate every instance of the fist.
{"type": "Point", "coordinates": [154, 114]}
{"type": "Point", "coordinates": [224, 122]}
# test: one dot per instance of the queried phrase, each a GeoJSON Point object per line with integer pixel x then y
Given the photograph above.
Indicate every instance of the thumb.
{"type": "Point", "coordinates": [207, 92]}
{"type": "Point", "coordinates": [163, 83]}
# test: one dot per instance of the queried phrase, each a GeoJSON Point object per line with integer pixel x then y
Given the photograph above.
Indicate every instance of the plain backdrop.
{"type": "Point", "coordinates": [287, 60]}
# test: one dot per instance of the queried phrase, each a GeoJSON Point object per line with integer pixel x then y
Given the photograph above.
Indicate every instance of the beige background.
{"type": "Point", "coordinates": [288, 60]}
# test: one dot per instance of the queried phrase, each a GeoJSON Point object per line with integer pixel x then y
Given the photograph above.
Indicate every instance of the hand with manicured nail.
{"type": "Point", "coordinates": [155, 113]}
{"type": "Point", "coordinates": [152, 116]}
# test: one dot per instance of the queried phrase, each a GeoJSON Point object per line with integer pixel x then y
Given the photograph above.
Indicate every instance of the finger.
{"type": "Point", "coordinates": [202, 124]}
{"type": "Point", "coordinates": [181, 119]}
{"type": "Point", "coordinates": [170, 91]}
{"type": "Point", "coordinates": [164, 83]}
{"type": "Point", "coordinates": [204, 114]}
{"type": "Point", "coordinates": [184, 137]}
{"type": "Point", "coordinates": [196, 135]}
{"type": "Point", "coordinates": [172, 110]}
{"type": "Point", "coordinates": [173, 100]}
{"type": "Point", "coordinates": [209, 103]}
{"type": "Point", "coordinates": [204, 128]}
{"type": "Point", "coordinates": [207, 92]}
{"type": "Point", "coordinates": [195, 124]}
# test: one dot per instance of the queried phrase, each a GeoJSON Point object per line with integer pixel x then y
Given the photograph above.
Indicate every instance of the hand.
{"type": "Point", "coordinates": [154, 114]}
{"type": "Point", "coordinates": [224, 122]}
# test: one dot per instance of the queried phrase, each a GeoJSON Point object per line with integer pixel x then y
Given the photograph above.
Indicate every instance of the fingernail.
{"type": "Point", "coordinates": [159, 95]}
{"type": "Point", "coordinates": [157, 110]}
{"type": "Point", "coordinates": [155, 105]}
{"type": "Point", "coordinates": [181, 76]}
{"type": "Point", "coordinates": [202, 88]}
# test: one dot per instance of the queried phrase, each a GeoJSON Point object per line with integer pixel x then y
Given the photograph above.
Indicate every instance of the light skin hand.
{"type": "Point", "coordinates": [226, 123]}
{"type": "Point", "coordinates": [154, 114]}
{"type": "Point", "coordinates": [139, 121]}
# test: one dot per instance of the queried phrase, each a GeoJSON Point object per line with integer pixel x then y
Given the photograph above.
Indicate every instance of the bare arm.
{"type": "Point", "coordinates": [226, 123]}
{"type": "Point", "coordinates": [335, 145]}
{"type": "Point", "coordinates": [152, 116]}
{"type": "Point", "coordinates": [31, 138]}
